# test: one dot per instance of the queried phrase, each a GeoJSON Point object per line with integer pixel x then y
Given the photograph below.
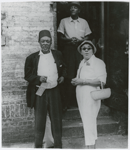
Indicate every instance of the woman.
{"type": "Point", "coordinates": [91, 73]}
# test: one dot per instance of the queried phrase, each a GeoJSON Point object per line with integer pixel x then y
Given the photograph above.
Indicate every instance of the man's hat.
{"type": "Point", "coordinates": [87, 42]}
{"type": "Point", "coordinates": [74, 3]}
{"type": "Point", "coordinates": [44, 33]}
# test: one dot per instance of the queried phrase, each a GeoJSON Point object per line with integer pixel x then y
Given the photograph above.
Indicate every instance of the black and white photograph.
{"type": "Point", "coordinates": [64, 74]}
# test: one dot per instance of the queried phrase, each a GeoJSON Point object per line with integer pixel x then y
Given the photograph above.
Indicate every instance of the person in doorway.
{"type": "Point", "coordinates": [72, 31]}
{"type": "Point", "coordinates": [44, 70]}
{"type": "Point", "coordinates": [91, 73]}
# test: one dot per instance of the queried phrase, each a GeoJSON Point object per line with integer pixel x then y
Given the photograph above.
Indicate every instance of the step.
{"type": "Point", "coordinates": [103, 142]}
{"type": "Point", "coordinates": [73, 113]}
{"type": "Point", "coordinates": [74, 128]}
{"type": "Point", "coordinates": [70, 128]}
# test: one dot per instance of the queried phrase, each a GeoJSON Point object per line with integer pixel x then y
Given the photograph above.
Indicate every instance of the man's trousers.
{"type": "Point", "coordinates": [48, 140]}
{"type": "Point", "coordinates": [49, 102]}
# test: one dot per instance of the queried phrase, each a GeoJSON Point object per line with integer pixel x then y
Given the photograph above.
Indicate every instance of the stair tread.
{"type": "Point", "coordinates": [76, 108]}
{"type": "Point", "coordinates": [73, 113]}
{"type": "Point", "coordinates": [78, 122]}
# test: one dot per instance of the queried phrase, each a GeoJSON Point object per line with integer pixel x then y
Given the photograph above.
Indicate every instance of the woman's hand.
{"type": "Point", "coordinates": [76, 81]}
{"type": "Point", "coordinates": [73, 81]}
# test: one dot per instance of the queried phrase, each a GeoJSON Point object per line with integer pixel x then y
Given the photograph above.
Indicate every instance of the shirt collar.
{"type": "Point", "coordinates": [41, 53]}
{"type": "Point", "coordinates": [71, 20]}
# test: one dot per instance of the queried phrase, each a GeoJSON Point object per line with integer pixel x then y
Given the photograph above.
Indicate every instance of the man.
{"type": "Point", "coordinates": [72, 31]}
{"type": "Point", "coordinates": [44, 70]}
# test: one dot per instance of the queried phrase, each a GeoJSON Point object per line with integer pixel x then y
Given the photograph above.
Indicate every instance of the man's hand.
{"type": "Point", "coordinates": [61, 80]}
{"type": "Point", "coordinates": [43, 78]}
{"type": "Point", "coordinates": [75, 40]}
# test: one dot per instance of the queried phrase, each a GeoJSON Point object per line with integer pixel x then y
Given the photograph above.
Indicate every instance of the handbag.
{"type": "Point", "coordinates": [101, 93]}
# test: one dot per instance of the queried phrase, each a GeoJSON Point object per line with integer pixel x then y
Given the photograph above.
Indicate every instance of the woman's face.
{"type": "Point", "coordinates": [87, 51]}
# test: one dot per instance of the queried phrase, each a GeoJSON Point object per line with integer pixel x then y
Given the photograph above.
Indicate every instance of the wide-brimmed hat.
{"type": "Point", "coordinates": [74, 3]}
{"type": "Point", "coordinates": [87, 42]}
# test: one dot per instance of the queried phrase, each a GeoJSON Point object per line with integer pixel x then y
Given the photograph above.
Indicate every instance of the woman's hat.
{"type": "Point", "coordinates": [87, 42]}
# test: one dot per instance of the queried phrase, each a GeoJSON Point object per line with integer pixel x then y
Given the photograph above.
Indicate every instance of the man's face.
{"type": "Point", "coordinates": [45, 43]}
{"type": "Point", "coordinates": [74, 10]}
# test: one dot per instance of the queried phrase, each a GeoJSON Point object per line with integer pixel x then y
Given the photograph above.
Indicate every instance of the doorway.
{"type": "Point", "coordinates": [109, 23]}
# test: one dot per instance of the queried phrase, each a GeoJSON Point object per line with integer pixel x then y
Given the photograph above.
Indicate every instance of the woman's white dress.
{"type": "Point", "coordinates": [94, 68]}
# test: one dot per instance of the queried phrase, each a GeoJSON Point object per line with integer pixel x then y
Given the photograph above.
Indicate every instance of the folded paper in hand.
{"type": "Point", "coordinates": [42, 88]}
